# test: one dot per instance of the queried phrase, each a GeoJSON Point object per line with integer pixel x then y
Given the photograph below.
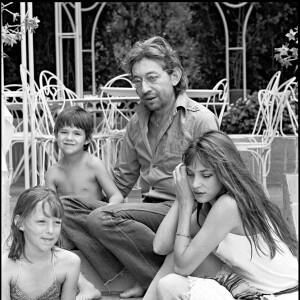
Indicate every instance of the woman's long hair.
{"type": "Point", "coordinates": [216, 151]}
{"type": "Point", "coordinates": [25, 205]}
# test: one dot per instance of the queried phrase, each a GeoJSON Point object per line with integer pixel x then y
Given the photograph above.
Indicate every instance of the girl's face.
{"type": "Point", "coordinates": [41, 231]}
{"type": "Point", "coordinates": [203, 182]}
{"type": "Point", "coordinates": [71, 139]}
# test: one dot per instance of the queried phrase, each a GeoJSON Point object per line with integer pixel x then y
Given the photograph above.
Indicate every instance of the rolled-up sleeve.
{"type": "Point", "coordinates": [127, 168]}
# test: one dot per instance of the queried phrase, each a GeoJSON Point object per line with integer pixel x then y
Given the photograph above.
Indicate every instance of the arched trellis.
{"type": "Point", "coordinates": [237, 47]}
{"type": "Point", "coordinates": [77, 35]}
{"type": "Point", "coordinates": [27, 60]}
{"type": "Point", "coordinates": [75, 18]}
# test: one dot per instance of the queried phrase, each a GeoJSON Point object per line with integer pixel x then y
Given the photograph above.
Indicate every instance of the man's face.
{"type": "Point", "coordinates": [155, 87]}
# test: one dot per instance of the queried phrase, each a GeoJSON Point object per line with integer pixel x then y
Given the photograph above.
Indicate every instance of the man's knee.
{"type": "Point", "coordinates": [98, 219]}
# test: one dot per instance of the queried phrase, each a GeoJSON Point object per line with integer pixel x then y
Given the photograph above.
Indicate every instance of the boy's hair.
{"type": "Point", "coordinates": [158, 49]}
{"type": "Point", "coordinates": [25, 205]}
{"type": "Point", "coordinates": [217, 151]}
{"type": "Point", "coordinates": [78, 117]}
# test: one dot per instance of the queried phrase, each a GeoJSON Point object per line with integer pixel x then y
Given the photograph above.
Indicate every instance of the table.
{"type": "Point", "coordinates": [131, 92]}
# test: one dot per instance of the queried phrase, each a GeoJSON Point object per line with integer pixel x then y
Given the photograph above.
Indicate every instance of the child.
{"type": "Point", "coordinates": [236, 238]}
{"type": "Point", "coordinates": [79, 177]}
{"type": "Point", "coordinates": [35, 268]}
{"type": "Point", "coordinates": [79, 173]}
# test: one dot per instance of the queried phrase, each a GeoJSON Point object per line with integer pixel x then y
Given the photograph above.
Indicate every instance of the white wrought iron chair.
{"type": "Point", "coordinates": [13, 96]}
{"type": "Point", "coordinates": [41, 125]}
{"type": "Point", "coordinates": [290, 119]}
{"type": "Point", "coordinates": [55, 91]}
{"type": "Point", "coordinates": [218, 103]}
{"type": "Point", "coordinates": [273, 84]}
{"type": "Point", "coordinates": [265, 129]}
{"type": "Point", "coordinates": [291, 104]}
{"type": "Point", "coordinates": [110, 132]}
{"type": "Point", "coordinates": [45, 102]}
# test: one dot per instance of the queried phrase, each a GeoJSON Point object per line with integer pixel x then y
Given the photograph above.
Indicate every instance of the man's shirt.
{"type": "Point", "coordinates": [187, 121]}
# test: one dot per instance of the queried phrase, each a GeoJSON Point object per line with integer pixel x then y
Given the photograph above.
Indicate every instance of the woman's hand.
{"type": "Point", "coordinates": [183, 191]}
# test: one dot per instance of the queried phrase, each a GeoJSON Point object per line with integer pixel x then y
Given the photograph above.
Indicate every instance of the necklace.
{"type": "Point", "coordinates": [155, 123]}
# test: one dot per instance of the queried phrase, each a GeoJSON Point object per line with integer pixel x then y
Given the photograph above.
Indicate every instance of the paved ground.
{"type": "Point", "coordinates": [276, 194]}
{"type": "Point", "coordinates": [116, 297]}
{"type": "Point", "coordinates": [284, 160]}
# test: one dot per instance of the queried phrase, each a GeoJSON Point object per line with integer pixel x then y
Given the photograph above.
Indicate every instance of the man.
{"type": "Point", "coordinates": [164, 124]}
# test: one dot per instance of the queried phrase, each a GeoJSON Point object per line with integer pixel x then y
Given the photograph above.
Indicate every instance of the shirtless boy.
{"type": "Point", "coordinates": [79, 175]}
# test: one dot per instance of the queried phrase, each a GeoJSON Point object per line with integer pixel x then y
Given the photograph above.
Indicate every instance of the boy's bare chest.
{"type": "Point", "coordinates": [78, 182]}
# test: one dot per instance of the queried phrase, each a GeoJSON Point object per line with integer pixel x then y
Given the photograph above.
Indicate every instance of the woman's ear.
{"type": "Point", "coordinates": [18, 222]}
{"type": "Point", "coordinates": [176, 76]}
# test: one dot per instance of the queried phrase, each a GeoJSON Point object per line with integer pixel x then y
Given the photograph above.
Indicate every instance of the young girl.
{"type": "Point", "coordinates": [34, 267]}
{"type": "Point", "coordinates": [235, 245]}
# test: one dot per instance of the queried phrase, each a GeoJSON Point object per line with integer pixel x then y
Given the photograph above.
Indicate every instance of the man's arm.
{"type": "Point", "coordinates": [127, 169]}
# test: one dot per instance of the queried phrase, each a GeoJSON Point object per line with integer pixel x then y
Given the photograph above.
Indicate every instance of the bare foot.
{"type": "Point", "coordinates": [89, 294]}
{"type": "Point", "coordinates": [136, 291]}
{"type": "Point", "coordinates": [87, 291]}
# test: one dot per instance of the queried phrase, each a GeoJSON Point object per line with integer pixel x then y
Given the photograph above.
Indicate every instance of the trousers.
{"type": "Point", "coordinates": [74, 230]}
{"type": "Point", "coordinates": [112, 237]}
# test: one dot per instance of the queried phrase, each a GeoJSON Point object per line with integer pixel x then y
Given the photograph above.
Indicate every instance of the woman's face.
{"type": "Point", "coordinates": [203, 182]}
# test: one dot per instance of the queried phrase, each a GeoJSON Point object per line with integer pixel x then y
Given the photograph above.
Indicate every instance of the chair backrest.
{"type": "Point", "coordinates": [13, 95]}
{"type": "Point", "coordinates": [271, 104]}
{"type": "Point", "coordinates": [274, 82]}
{"type": "Point", "coordinates": [115, 113]}
{"type": "Point", "coordinates": [54, 88]}
{"type": "Point", "coordinates": [58, 97]}
{"type": "Point", "coordinates": [289, 90]}
{"type": "Point", "coordinates": [31, 88]}
{"type": "Point", "coordinates": [39, 111]}
{"type": "Point", "coordinates": [218, 103]}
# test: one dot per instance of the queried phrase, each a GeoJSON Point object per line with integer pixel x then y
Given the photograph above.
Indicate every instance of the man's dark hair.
{"type": "Point", "coordinates": [158, 49]}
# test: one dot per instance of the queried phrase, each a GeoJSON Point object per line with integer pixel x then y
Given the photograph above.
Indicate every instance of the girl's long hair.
{"type": "Point", "coordinates": [217, 151]}
{"type": "Point", "coordinates": [25, 205]}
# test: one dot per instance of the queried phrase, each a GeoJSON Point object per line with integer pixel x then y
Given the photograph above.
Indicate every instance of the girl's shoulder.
{"type": "Point", "coordinates": [66, 263]}
{"type": "Point", "coordinates": [66, 257]}
{"type": "Point", "coordinates": [225, 207]}
{"type": "Point", "coordinates": [226, 201]}
{"type": "Point", "coordinates": [10, 266]}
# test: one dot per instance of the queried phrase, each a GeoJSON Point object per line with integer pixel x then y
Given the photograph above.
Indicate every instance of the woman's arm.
{"type": "Point", "coordinates": [72, 268]}
{"type": "Point", "coordinates": [222, 218]}
{"type": "Point", "coordinates": [165, 236]}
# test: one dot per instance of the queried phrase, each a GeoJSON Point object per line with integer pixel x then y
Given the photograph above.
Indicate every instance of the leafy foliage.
{"type": "Point", "coordinates": [241, 115]}
{"type": "Point", "coordinates": [11, 34]}
{"type": "Point", "coordinates": [195, 29]}
{"type": "Point", "coordinates": [288, 53]}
